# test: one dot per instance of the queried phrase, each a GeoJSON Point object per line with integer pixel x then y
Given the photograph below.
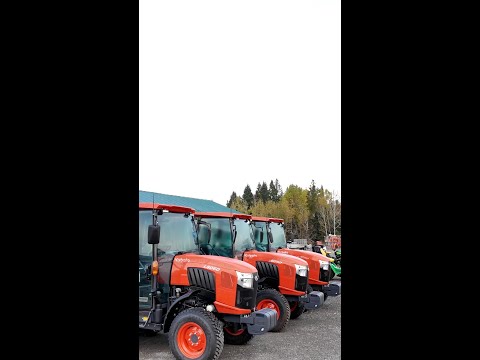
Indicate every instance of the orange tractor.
{"type": "Point", "coordinates": [319, 265]}
{"type": "Point", "coordinates": [196, 298]}
{"type": "Point", "coordinates": [283, 278]}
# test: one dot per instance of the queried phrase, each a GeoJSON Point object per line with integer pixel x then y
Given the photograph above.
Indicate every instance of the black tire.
{"type": "Point", "coordinates": [280, 302]}
{"type": "Point", "coordinates": [241, 337]}
{"type": "Point", "coordinates": [298, 309]}
{"type": "Point", "coordinates": [209, 324]}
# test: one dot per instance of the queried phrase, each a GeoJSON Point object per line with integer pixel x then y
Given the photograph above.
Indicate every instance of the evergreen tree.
{"type": "Point", "coordinates": [264, 194]}
{"type": "Point", "coordinates": [232, 199]}
{"type": "Point", "coordinates": [312, 198]}
{"type": "Point", "coordinates": [257, 193]}
{"type": "Point", "coordinates": [273, 192]}
{"type": "Point", "coordinates": [279, 189]}
{"type": "Point", "coordinates": [248, 196]}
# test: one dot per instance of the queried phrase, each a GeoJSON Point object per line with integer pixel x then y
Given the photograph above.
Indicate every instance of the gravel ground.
{"type": "Point", "coordinates": [315, 335]}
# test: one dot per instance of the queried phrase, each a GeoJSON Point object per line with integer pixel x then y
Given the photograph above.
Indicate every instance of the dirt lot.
{"type": "Point", "coordinates": [315, 335]}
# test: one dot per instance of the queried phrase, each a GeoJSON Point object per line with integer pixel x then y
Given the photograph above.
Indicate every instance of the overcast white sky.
{"type": "Point", "coordinates": [239, 92]}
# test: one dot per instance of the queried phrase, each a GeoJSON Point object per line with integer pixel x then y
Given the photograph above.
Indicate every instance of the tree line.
{"type": "Point", "coordinates": [309, 213]}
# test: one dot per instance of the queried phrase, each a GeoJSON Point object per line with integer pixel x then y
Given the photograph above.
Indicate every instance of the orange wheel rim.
{"type": "Point", "coordinates": [234, 333]}
{"type": "Point", "coordinates": [269, 304]}
{"type": "Point", "coordinates": [191, 340]}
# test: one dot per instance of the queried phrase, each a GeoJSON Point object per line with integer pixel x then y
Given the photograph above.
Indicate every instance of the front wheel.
{"type": "Point", "coordinates": [272, 299]}
{"type": "Point", "coordinates": [196, 334]}
{"type": "Point", "coordinates": [236, 337]}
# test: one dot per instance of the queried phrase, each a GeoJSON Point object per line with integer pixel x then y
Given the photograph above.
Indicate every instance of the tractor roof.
{"type": "Point", "coordinates": [260, 218]}
{"type": "Point", "coordinates": [275, 220]}
{"type": "Point", "coordinates": [266, 219]}
{"type": "Point", "coordinates": [170, 208]}
{"type": "Point", "coordinates": [223, 215]}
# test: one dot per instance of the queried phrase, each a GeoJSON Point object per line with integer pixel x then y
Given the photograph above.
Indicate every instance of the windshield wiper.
{"type": "Point", "coordinates": [183, 252]}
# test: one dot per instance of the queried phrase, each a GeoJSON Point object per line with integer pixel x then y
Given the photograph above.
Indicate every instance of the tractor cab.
{"type": "Point", "coordinates": [230, 235]}
{"type": "Point", "coordinates": [178, 237]}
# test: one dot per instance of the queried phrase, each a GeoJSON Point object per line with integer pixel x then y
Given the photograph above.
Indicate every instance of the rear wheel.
{"type": "Point", "coordinates": [296, 309]}
{"type": "Point", "coordinates": [236, 337]}
{"type": "Point", "coordinates": [196, 334]}
{"type": "Point", "coordinates": [272, 299]}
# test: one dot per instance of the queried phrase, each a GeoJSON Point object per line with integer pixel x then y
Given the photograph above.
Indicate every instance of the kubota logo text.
{"type": "Point", "coordinates": [209, 267]}
{"type": "Point", "coordinates": [182, 259]}
{"type": "Point", "coordinates": [250, 255]}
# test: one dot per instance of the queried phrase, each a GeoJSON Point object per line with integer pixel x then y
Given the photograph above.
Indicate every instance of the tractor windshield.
{"type": "Point", "coordinates": [278, 236]}
{"type": "Point", "coordinates": [221, 237]}
{"type": "Point", "coordinates": [260, 243]}
{"type": "Point", "coordinates": [221, 240]}
{"type": "Point", "coordinates": [177, 233]}
{"type": "Point", "coordinates": [244, 240]}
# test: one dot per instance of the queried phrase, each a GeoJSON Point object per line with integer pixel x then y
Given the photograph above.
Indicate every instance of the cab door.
{"type": "Point", "coordinates": [144, 260]}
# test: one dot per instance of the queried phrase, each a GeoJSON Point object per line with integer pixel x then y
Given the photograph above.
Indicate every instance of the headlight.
{"type": "Point", "coordinates": [301, 270]}
{"type": "Point", "coordinates": [324, 264]}
{"type": "Point", "coordinates": [245, 280]}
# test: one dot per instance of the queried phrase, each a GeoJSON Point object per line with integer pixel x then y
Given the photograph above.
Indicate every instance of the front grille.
{"type": "Point", "coordinates": [301, 282]}
{"type": "Point", "coordinates": [201, 278]}
{"type": "Point", "coordinates": [266, 269]}
{"type": "Point", "coordinates": [246, 298]}
{"type": "Point", "coordinates": [325, 274]}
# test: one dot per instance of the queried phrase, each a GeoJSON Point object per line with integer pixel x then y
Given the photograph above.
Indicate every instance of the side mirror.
{"type": "Point", "coordinates": [153, 234]}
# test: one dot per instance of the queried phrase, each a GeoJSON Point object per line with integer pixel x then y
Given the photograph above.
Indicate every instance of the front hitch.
{"type": "Point", "coordinates": [313, 300]}
{"type": "Point", "coordinates": [258, 322]}
{"type": "Point", "coordinates": [333, 288]}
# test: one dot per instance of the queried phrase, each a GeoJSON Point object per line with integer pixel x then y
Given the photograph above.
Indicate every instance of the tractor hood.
{"type": "Point", "coordinates": [278, 266]}
{"type": "Point", "coordinates": [210, 262]}
{"type": "Point", "coordinates": [275, 258]}
{"type": "Point", "coordinates": [306, 255]}
{"type": "Point", "coordinates": [217, 274]}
